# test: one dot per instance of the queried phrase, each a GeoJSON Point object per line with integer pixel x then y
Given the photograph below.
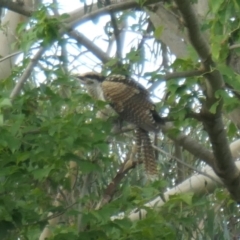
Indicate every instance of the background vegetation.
{"type": "Point", "coordinates": [66, 174]}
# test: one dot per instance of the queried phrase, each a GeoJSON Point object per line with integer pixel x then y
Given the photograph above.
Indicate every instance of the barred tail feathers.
{"type": "Point", "coordinates": [146, 153]}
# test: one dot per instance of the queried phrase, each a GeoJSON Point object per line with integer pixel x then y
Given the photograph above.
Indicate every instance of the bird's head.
{"type": "Point", "coordinates": [92, 82]}
{"type": "Point", "coordinates": [90, 78]}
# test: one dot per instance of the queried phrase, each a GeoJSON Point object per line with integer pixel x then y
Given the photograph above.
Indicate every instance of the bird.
{"type": "Point", "coordinates": [132, 103]}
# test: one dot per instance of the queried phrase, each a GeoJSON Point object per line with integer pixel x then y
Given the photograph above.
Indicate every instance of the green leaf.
{"type": "Point", "coordinates": [158, 32]}
{"type": "Point", "coordinates": [213, 108]}
{"type": "Point", "coordinates": [103, 147]}
{"type": "Point", "coordinates": [232, 130]}
{"type": "Point", "coordinates": [6, 102]}
{"type": "Point", "coordinates": [141, 2]}
{"type": "Point", "coordinates": [64, 16]}
{"type": "Point", "coordinates": [215, 5]}
{"type": "Point", "coordinates": [187, 197]}
{"type": "Point", "coordinates": [111, 62]}
{"type": "Point", "coordinates": [87, 166]}
{"type": "Point", "coordinates": [216, 46]}
{"type": "Point", "coordinates": [23, 157]}
{"type": "Point", "coordinates": [1, 120]}
{"type": "Point", "coordinates": [42, 173]}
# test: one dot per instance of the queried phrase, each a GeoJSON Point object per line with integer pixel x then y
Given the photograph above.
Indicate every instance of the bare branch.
{"type": "Point", "coordinates": [176, 75]}
{"type": "Point", "coordinates": [112, 187]}
{"type": "Point", "coordinates": [103, 11]}
{"type": "Point", "coordinates": [189, 144]}
{"type": "Point", "coordinates": [117, 33]}
{"type": "Point", "coordinates": [165, 55]}
{"type": "Point", "coordinates": [186, 74]}
{"type": "Point", "coordinates": [27, 73]}
{"type": "Point", "coordinates": [15, 54]}
{"type": "Point", "coordinates": [183, 163]}
{"type": "Point", "coordinates": [81, 39]}
{"type": "Point", "coordinates": [180, 165]}
{"type": "Point", "coordinates": [16, 7]}
{"type": "Point", "coordinates": [234, 46]}
{"type": "Point", "coordinates": [84, 191]}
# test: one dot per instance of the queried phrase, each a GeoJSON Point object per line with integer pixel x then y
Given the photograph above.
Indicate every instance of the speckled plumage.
{"type": "Point", "coordinates": [131, 101]}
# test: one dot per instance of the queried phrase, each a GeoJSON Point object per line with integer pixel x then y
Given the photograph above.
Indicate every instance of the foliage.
{"type": "Point", "coordinates": [52, 124]}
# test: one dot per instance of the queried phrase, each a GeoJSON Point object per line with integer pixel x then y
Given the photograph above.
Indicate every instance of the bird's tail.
{"type": "Point", "coordinates": [146, 153]}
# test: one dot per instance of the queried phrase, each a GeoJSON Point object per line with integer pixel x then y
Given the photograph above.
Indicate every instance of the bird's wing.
{"type": "Point", "coordinates": [131, 101]}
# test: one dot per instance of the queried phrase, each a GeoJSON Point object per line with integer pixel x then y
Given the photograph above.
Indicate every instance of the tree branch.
{"type": "Point", "coordinates": [186, 74]}
{"type": "Point", "coordinates": [176, 75]}
{"type": "Point", "coordinates": [82, 18]}
{"type": "Point", "coordinates": [199, 184]}
{"type": "Point", "coordinates": [213, 123]}
{"type": "Point", "coordinates": [117, 33]}
{"type": "Point", "coordinates": [16, 7]}
{"type": "Point", "coordinates": [234, 46]}
{"type": "Point", "coordinates": [81, 39]}
{"type": "Point", "coordinates": [189, 144]}
{"type": "Point", "coordinates": [15, 54]}
{"type": "Point", "coordinates": [124, 169]}
{"type": "Point", "coordinates": [182, 163]}
{"type": "Point", "coordinates": [16, 90]}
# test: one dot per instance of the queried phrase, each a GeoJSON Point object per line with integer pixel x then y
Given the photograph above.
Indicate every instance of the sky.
{"type": "Point", "coordinates": [91, 30]}
{"type": "Point", "coordinates": [95, 32]}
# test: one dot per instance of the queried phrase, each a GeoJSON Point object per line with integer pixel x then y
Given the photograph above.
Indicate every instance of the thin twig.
{"type": "Point", "coordinates": [185, 74]}
{"type": "Point", "coordinates": [112, 187]}
{"type": "Point", "coordinates": [27, 72]}
{"type": "Point", "coordinates": [117, 33]}
{"type": "Point", "coordinates": [104, 11]}
{"type": "Point", "coordinates": [98, 52]}
{"type": "Point", "coordinates": [15, 54]}
{"type": "Point", "coordinates": [189, 144]}
{"type": "Point", "coordinates": [185, 164]}
{"type": "Point", "coordinates": [176, 75]}
{"type": "Point", "coordinates": [52, 216]}
{"type": "Point", "coordinates": [234, 46]}
{"type": "Point", "coordinates": [84, 190]}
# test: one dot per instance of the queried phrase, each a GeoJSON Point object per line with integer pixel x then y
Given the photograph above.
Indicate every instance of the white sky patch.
{"type": "Point", "coordinates": [84, 61]}
{"type": "Point", "coordinates": [66, 5]}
